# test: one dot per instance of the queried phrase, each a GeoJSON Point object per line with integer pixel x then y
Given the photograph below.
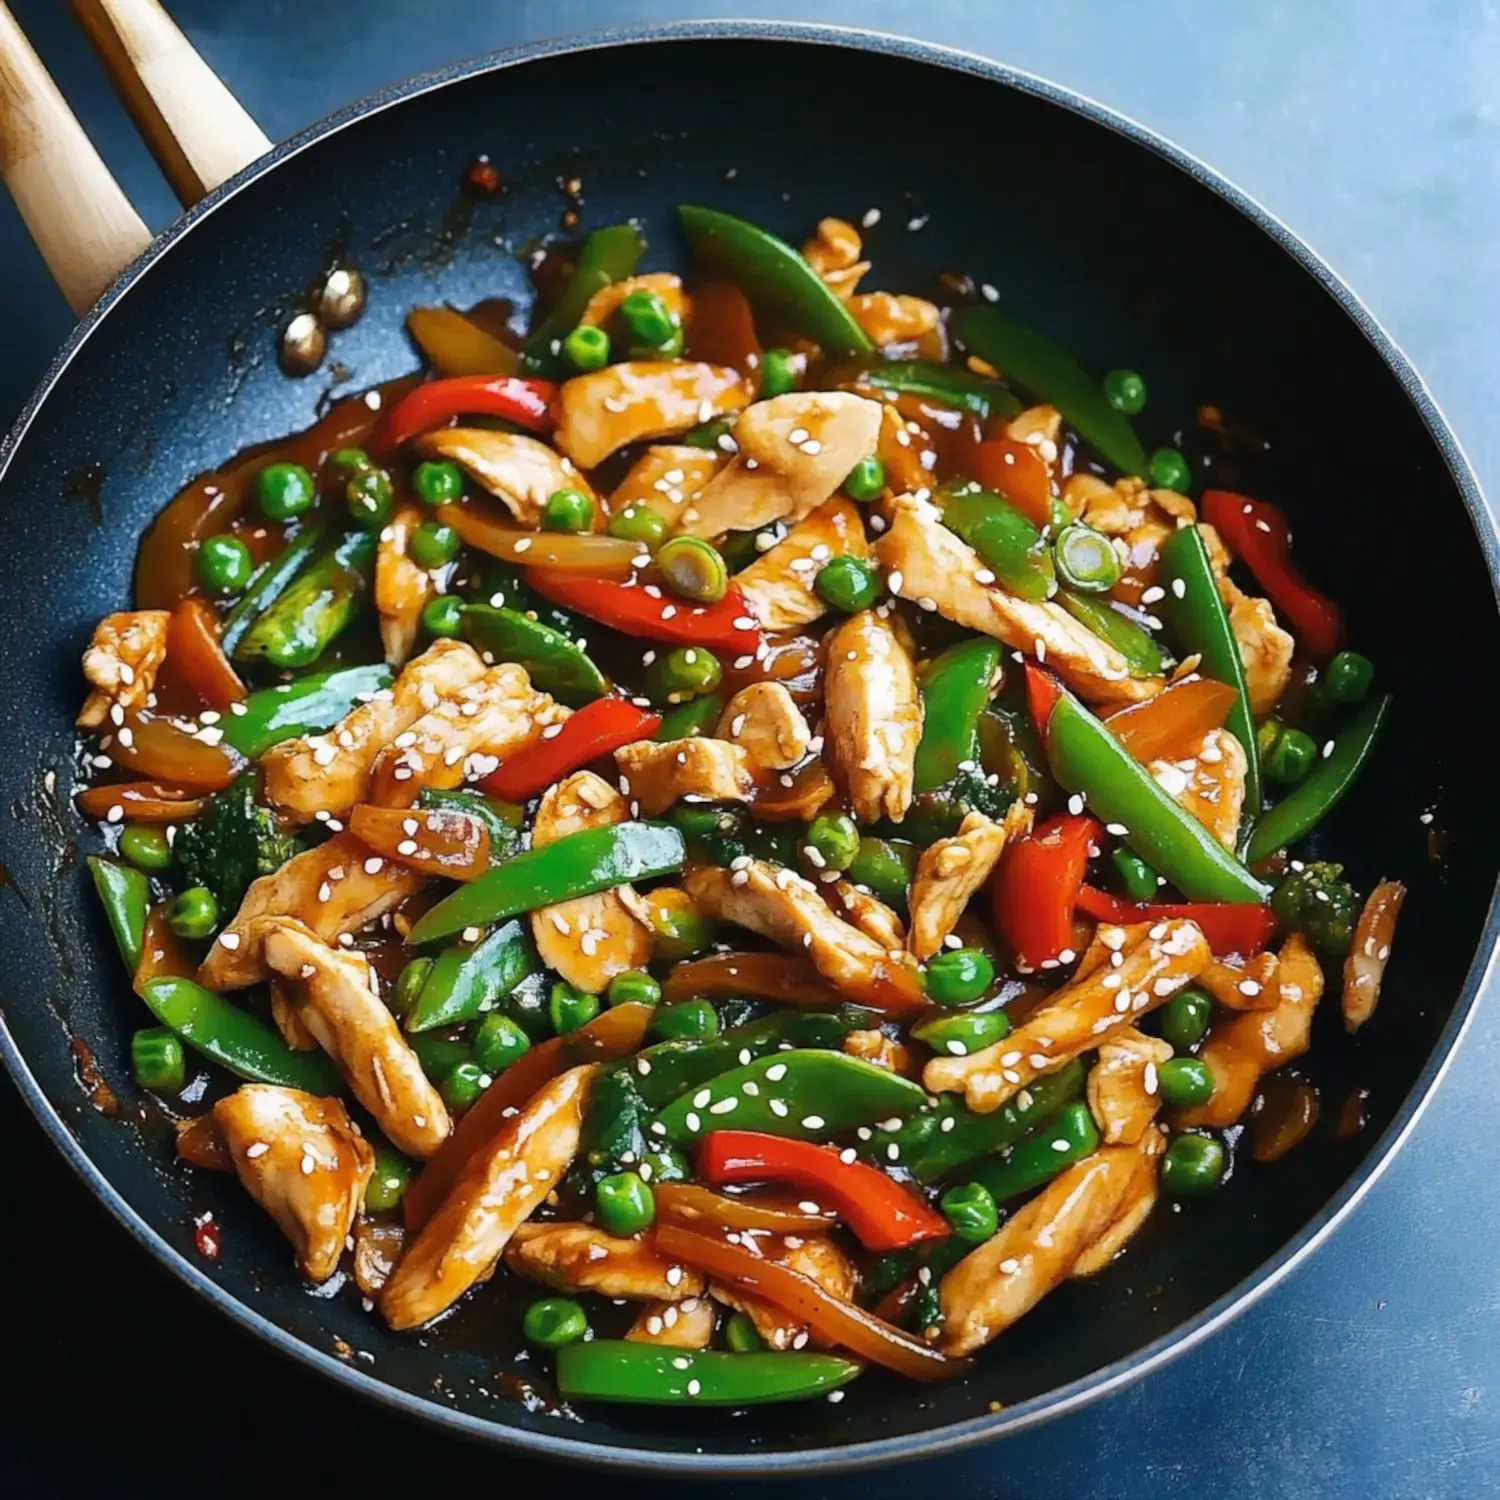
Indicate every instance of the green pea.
{"type": "Point", "coordinates": [970, 1209]}
{"type": "Point", "coordinates": [957, 976]}
{"type": "Point", "coordinates": [388, 1182]}
{"type": "Point", "coordinates": [462, 1085]}
{"type": "Point", "coordinates": [568, 1009]}
{"type": "Point", "coordinates": [740, 1336]}
{"type": "Point", "coordinates": [224, 564]}
{"type": "Point", "coordinates": [349, 461]}
{"type": "Point", "coordinates": [963, 1033]}
{"type": "Point", "coordinates": [688, 1018]}
{"type": "Point", "coordinates": [1184, 1019]}
{"type": "Point", "coordinates": [1138, 878]}
{"type": "Point", "coordinates": [638, 523]}
{"type": "Point", "coordinates": [707, 434]}
{"type": "Point", "coordinates": [1193, 1164]}
{"type": "Point", "coordinates": [693, 569]}
{"type": "Point", "coordinates": [679, 927]}
{"type": "Point", "coordinates": [866, 480]}
{"type": "Point", "coordinates": [434, 545]}
{"type": "Point", "coordinates": [1125, 391]}
{"type": "Point", "coordinates": [849, 584]}
{"type": "Point", "coordinates": [408, 986]}
{"type": "Point", "coordinates": [700, 820]}
{"type": "Point", "coordinates": [586, 348]}
{"type": "Point", "coordinates": [499, 1042]}
{"type": "Point", "coordinates": [1348, 677]}
{"type": "Point", "coordinates": [682, 673]}
{"type": "Point", "coordinates": [370, 498]}
{"type": "Point", "coordinates": [284, 491]}
{"type": "Point", "coordinates": [438, 483]}
{"type": "Point", "coordinates": [567, 510]}
{"type": "Point", "coordinates": [780, 370]}
{"type": "Point", "coordinates": [553, 1322]}
{"type": "Point", "coordinates": [648, 320]}
{"type": "Point", "coordinates": [194, 914]}
{"type": "Point", "coordinates": [157, 1061]}
{"type": "Point", "coordinates": [1169, 471]}
{"type": "Point", "coordinates": [1086, 559]}
{"type": "Point", "coordinates": [1185, 1082]}
{"type": "Point", "coordinates": [146, 847]}
{"type": "Point", "coordinates": [634, 987]}
{"type": "Point", "coordinates": [1291, 757]}
{"type": "Point", "coordinates": [623, 1204]}
{"type": "Point", "coordinates": [835, 839]}
{"type": "Point", "coordinates": [443, 615]}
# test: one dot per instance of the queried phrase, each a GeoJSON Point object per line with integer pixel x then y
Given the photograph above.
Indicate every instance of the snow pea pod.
{"type": "Point", "coordinates": [316, 606]}
{"type": "Point", "coordinates": [470, 978]}
{"type": "Point", "coordinates": [125, 894]}
{"type": "Point", "coordinates": [1142, 654]}
{"type": "Point", "coordinates": [609, 255]}
{"type": "Point", "coordinates": [270, 583]}
{"type": "Point", "coordinates": [1058, 1142]}
{"type": "Point", "coordinates": [291, 710]}
{"type": "Point", "coordinates": [951, 385]}
{"type": "Point", "coordinates": [955, 692]}
{"type": "Point", "coordinates": [556, 664]}
{"type": "Point", "coordinates": [644, 1374]}
{"type": "Point", "coordinates": [1010, 545]}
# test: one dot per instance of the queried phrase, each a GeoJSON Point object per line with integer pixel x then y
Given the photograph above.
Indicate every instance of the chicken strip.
{"type": "Point", "coordinates": [1208, 782]}
{"type": "Point", "coordinates": [335, 888]}
{"type": "Point", "coordinates": [121, 663]}
{"type": "Point", "coordinates": [1135, 1208]}
{"type": "Point", "coordinates": [868, 913]}
{"type": "Point", "coordinates": [402, 588]}
{"type": "Point", "coordinates": [814, 1256]}
{"type": "Point", "coordinates": [1265, 649]}
{"type": "Point", "coordinates": [303, 1161]}
{"type": "Point", "coordinates": [503, 1185]}
{"type": "Point", "coordinates": [707, 770]}
{"type": "Point", "coordinates": [668, 479]}
{"type": "Point", "coordinates": [778, 587]}
{"type": "Point", "coordinates": [885, 1052]}
{"type": "Point", "coordinates": [518, 470]}
{"type": "Point", "coordinates": [1154, 963]}
{"type": "Point", "coordinates": [330, 772]}
{"type": "Point", "coordinates": [675, 1325]}
{"type": "Point", "coordinates": [833, 252]}
{"type": "Point", "coordinates": [765, 722]}
{"type": "Point", "coordinates": [950, 871]}
{"type": "Point", "coordinates": [592, 938]}
{"type": "Point", "coordinates": [1247, 985]}
{"type": "Point", "coordinates": [583, 1258]}
{"type": "Point", "coordinates": [1122, 1085]}
{"type": "Point", "coordinates": [288, 1021]}
{"type": "Point", "coordinates": [874, 715]}
{"type": "Point", "coordinates": [1242, 1048]}
{"type": "Point", "coordinates": [779, 904]}
{"type": "Point", "coordinates": [466, 734]}
{"type": "Point", "coordinates": [902, 326]}
{"type": "Point", "coordinates": [352, 1025]}
{"type": "Point", "coordinates": [1364, 969]}
{"type": "Point", "coordinates": [926, 562]}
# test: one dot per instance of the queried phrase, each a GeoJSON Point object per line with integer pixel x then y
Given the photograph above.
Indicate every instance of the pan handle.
{"type": "Point", "coordinates": [198, 131]}
{"type": "Point", "coordinates": [81, 221]}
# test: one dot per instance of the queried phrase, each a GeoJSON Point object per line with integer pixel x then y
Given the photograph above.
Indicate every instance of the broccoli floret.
{"type": "Point", "coordinates": [232, 842]}
{"type": "Point", "coordinates": [1320, 905]}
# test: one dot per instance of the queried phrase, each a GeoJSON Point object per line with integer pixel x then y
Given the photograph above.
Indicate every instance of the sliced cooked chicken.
{"type": "Point", "coordinates": [926, 562]}
{"type": "Point", "coordinates": [900, 455]}
{"type": "Point", "coordinates": [336, 888]}
{"type": "Point", "coordinates": [740, 497]}
{"type": "Point", "coordinates": [814, 1256]}
{"type": "Point", "coordinates": [885, 1052]}
{"type": "Point", "coordinates": [640, 400]}
{"type": "Point", "coordinates": [874, 715]}
{"type": "Point", "coordinates": [948, 874]}
{"type": "Point", "coordinates": [1122, 1085]}
{"type": "Point", "coordinates": [1265, 649]}
{"type": "Point", "coordinates": [462, 1242]}
{"type": "Point", "coordinates": [868, 913]}
{"type": "Point", "coordinates": [605, 303]}
{"type": "Point", "coordinates": [1241, 1049]}
{"type": "Point", "coordinates": [592, 938]}
{"type": "Point", "coordinates": [1154, 963]}
{"type": "Point", "coordinates": [354, 1027]}
{"type": "Point", "coordinates": [667, 479]}
{"type": "Point", "coordinates": [1242, 985]}
{"type": "Point", "coordinates": [778, 587]}
{"type": "Point", "coordinates": [901, 325]}
{"type": "Point", "coordinates": [1364, 969]}
{"type": "Point", "coordinates": [1209, 781]}
{"type": "Point", "coordinates": [518, 470]}
{"type": "Point", "coordinates": [708, 770]}
{"type": "Point", "coordinates": [1037, 426]}
{"type": "Point", "coordinates": [765, 722]}
{"type": "Point", "coordinates": [467, 733]}
{"type": "Point", "coordinates": [402, 588]}
{"type": "Point", "coordinates": [330, 772]}
{"type": "Point", "coordinates": [833, 252]}
{"type": "Point", "coordinates": [675, 1325]}
{"type": "Point", "coordinates": [779, 904]}
{"type": "Point", "coordinates": [303, 1161]}
{"type": "Point", "coordinates": [1135, 1208]}
{"type": "Point", "coordinates": [289, 1023]}
{"type": "Point", "coordinates": [582, 1258]}
{"type": "Point", "coordinates": [122, 661]}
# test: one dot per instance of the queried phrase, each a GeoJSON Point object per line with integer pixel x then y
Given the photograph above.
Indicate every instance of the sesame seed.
{"type": "Point", "coordinates": [693, 1387]}
{"type": "Point", "coordinates": [778, 1108]}
{"type": "Point", "coordinates": [1009, 1267]}
{"type": "Point", "coordinates": [693, 1122]}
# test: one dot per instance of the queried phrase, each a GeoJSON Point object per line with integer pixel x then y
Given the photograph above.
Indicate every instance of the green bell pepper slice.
{"type": "Point", "coordinates": [1010, 545]}
{"type": "Point", "coordinates": [125, 894]}
{"type": "Point", "coordinates": [1058, 1142]}
{"type": "Point", "coordinates": [1297, 814]}
{"type": "Point", "coordinates": [1194, 609]}
{"type": "Point", "coordinates": [950, 385]}
{"type": "Point", "coordinates": [504, 821]}
{"type": "Point", "coordinates": [595, 859]}
{"type": "Point", "coordinates": [775, 277]}
{"type": "Point", "coordinates": [234, 1039]}
{"type": "Point", "coordinates": [1047, 370]}
{"type": "Point", "coordinates": [1142, 653]}
{"type": "Point", "coordinates": [886, 867]}
{"type": "Point", "coordinates": [314, 608]}
{"type": "Point", "coordinates": [1088, 759]}
{"type": "Point", "coordinates": [310, 705]}
{"type": "Point", "coordinates": [609, 255]}
{"type": "Point", "coordinates": [439, 1055]}
{"type": "Point", "coordinates": [470, 978]}
{"type": "Point", "coordinates": [270, 582]}
{"type": "Point", "coordinates": [554, 662]}
{"type": "Point", "coordinates": [644, 1374]}
{"type": "Point", "coordinates": [805, 1095]}
{"type": "Point", "coordinates": [955, 691]}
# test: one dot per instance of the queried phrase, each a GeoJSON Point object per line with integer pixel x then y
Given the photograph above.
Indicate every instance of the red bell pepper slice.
{"type": "Point", "coordinates": [1015, 470]}
{"type": "Point", "coordinates": [653, 614]}
{"type": "Point", "coordinates": [1258, 534]}
{"type": "Point", "coordinates": [1042, 693]}
{"type": "Point", "coordinates": [879, 1210]}
{"type": "Point", "coordinates": [599, 728]}
{"type": "Point", "coordinates": [524, 401]}
{"type": "Point", "coordinates": [1037, 885]}
{"type": "Point", "coordinates": [1229, 927]}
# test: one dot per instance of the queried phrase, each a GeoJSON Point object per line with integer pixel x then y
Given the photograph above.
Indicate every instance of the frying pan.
{"type": "Point", "coordinates": [1119, 244]}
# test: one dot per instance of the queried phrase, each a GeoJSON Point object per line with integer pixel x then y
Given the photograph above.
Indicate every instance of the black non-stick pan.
{"type": "Point", "coordinates": [1127, 250]}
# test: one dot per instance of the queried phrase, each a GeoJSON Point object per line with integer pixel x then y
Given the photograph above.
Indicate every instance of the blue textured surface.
{"type": "Point", "coordinates": [1373, 1368]}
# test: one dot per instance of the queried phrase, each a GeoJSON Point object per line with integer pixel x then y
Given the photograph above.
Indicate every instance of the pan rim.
{"type": "Point", "coordinates": [953, 1437]}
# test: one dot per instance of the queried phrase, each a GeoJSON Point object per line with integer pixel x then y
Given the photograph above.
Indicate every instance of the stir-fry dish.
{"type": "Point", "coordinates": [757, 801]}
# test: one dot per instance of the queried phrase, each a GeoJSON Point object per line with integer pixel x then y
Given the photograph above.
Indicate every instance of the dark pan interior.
{"type": "Point", "coordinates": [1113, 249]}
